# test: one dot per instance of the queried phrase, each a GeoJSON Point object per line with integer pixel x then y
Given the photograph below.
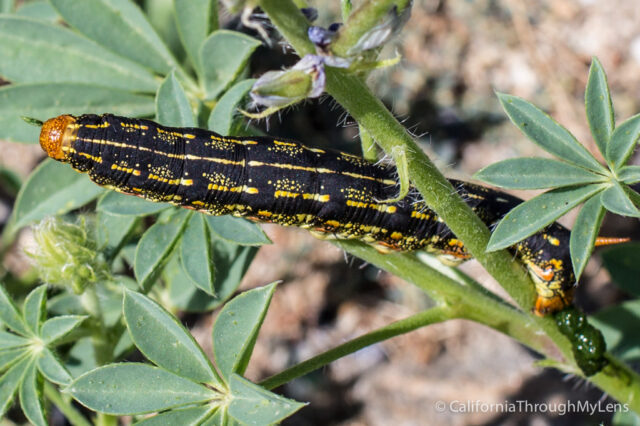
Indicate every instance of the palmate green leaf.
{"type": "Point", "coordinates": [623, 264]}
{"type": "Point", "coordinates": [52, 189]}
{"type": "Point", "coordinates": [112, 231]}
{"type": "Point", "coordinates": [597, 100]}
{"type": "Point", "coordinates": [10, 315]}
{"type": "Point", "coordinates": [616, 200]}
{"type": "Point", "coordinates": [629, 174]}
{"type": "Point", "coordinates": [222, 116]}
{"type": "Point", "coordinates": [236, 329]}
{"type": "Point", "coordinates": [10, 381]}
{"type": "Point", "coordinates": [584, 233]}
{"type": "Point", "coordinates": [185, 417]}
{"type": "Point", "coordinates": [56, 328]}
{"type": "Point", "coordinates": [120, 26]}
{"type": "Point", "coordinates": [619, 326]}
{"type": "Point", "coordinates": [155, 246]}
{"type": "Point", "coordinates": [131, 388]}
{"type": "Point", "coordinates": [527, 218]}
{"type": "Point", "coordinates": [196, 254]}
{"type": "Point", "coordinates": [31, 397]}
{"type": "Point", "coordinates": [164, 341]}
{"type": "Point", "coordinates": [224, 54]}
{"type": "Point", "coordinates": [237, 230]}
{"type": "Point", "coordinates": [195, 20]}
{"type": "Point", "coordinates": [52, 368]}
{"type": "Point", "coordinates": [38, 52]}
{"type": "Point", "coordinates": [623, 142]}
{"type": "Point", "coordinates": [41, 10]}
{"type": "Point", "coordinates": [119, 204]}
{"type": "Point", "coordinates": [47, 100]}
{"type": "Point", "coordinates": [535, 173]}
{"type": "Point", "coordinates": [254, 405]}
{"type": "Point", "coordinates": [172, 105]}
{"type": "Point", "coordinates": [547, 133]}
{"type": "Point", "coordinates": [35, 309]}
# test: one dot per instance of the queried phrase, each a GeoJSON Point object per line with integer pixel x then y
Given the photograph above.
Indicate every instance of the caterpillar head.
{"type": "Point", "coordinates": [56, 136]}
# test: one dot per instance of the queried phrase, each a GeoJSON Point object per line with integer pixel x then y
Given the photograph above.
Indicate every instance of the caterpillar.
{"type": "Point", "coordinates": [332, 194]}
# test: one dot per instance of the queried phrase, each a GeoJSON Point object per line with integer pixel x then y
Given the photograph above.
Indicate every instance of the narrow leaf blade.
{"type": "Point", "coordinates": [598, 105]}
{"type": "Point", "coordinates": [172, 105]}
{"type": "Point", "coordinates": [584, 233]}
{"type": "Point", "coordinates": [32, 52]}
{"type": "Point", "coordinates": [56, 328]}
{"type": "Point", "coordinates": [129, 388]}
{"type": "Point", "coordinates": [10, 382]}
{"type": "Point", "coordinates": [35, 308]}
{"type": "Point", "coordinates": [10, 315]}
{"type": "Point", "coordinates": [623, 142]}
{"type": "Point", "coordinates": [535, 214]}
{"type": "Point", "coordinates": [195, 20]}
{"type": "Point", "coordinates": [546, 132]}
{"type": "Point", "coordinates": [616, 200]}
{"type": "Point", "coordinates": [155, 246]}
{"type": "Point", "coordinates": [52, 368]}
{"type": "Point", "coordinates": [31, 397]}
{"type": "Point", "coordinates": [163, 340]}
{"type": "Point", "coordinates": [222, 116]}
{"type": "Point", "coordinates": [629, 174]}
{"type": "Point", "coordinates": [535, 173]}
{"type": "Point", "coordinates": [236, 329]}
{"type": "Point", "coordinates": [224, 55]}
{"type": "Point", "coordinates": [196, 254]}
{"type": "Point", "coordinates": [120, 26]}
{"type": "Point", "coordinates": [237, 230]}
{"type": "Point", "coordinates": [252, 404]}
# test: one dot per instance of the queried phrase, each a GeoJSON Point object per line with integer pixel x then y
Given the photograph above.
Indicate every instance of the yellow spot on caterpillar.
{"type": "Point", "coordinates": [454, 242]}
{"type": "Point", "coordinates": [134, 126]}
{"type": "Point", "coordinates": [286, 194]}
{"type": "Point", "coordinates": [125, 169]}
{"type": "Point", "coordinates": [396, 236]}
{"type": "Point", "coordinates": [323, 198]}
{"type": "Point", "coordinates": [244, 188]}
{"type": "Point", "coordinates": [97, 126]}
{"type": "Point", "coordinates": [197, 203]}
{"type": "Point", "coordinates": [91, 157]}
{"type": "Point", "coordinates": [264, 213]}
{"type": "Point", "coordinates": [552, 240]}
{"type": "Point", "coordinates": [419, 215]}
{"type": "Point", "coordinates": [285, 143]}
{"type": "Point", "coordinates": [333, 223]}
{"type": "Point", "coordinates": [186, 182]}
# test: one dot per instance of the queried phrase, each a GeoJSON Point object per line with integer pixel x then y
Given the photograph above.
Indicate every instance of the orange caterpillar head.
{"type": "Point", "coordinates": [56, 136]}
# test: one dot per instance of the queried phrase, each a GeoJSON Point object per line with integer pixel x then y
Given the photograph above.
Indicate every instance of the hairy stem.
{"type": "Point", "coordinates": [74, 416]}
{"type": "Point", "coordinates": [431, 316]}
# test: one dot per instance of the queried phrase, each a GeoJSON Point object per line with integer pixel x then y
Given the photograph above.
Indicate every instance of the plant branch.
{"type": "Point", "coordinates": [431, 316]}
{"type": "Point", "coordinates": [73, 416]}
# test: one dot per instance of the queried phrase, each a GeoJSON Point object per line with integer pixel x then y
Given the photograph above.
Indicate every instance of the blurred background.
{"type": "Point", "coordinates": [455, 54]}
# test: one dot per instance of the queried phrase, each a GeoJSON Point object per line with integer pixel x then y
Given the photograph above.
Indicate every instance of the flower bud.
{"type": "Point", "coordinates": [66, 255]}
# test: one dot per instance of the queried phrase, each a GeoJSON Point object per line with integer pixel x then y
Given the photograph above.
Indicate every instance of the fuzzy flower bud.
{"type": "Point", "coordinates": [66, 255]}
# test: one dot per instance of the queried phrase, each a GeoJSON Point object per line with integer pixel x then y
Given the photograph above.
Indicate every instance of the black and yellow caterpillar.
{"type": "Point", "coordinates": [333, 194]}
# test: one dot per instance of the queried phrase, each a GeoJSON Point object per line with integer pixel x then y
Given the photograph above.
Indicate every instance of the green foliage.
{"type": "Point", "coordinates": [171, 61]}
{"type": "Point", "coordinates": [577, 178]}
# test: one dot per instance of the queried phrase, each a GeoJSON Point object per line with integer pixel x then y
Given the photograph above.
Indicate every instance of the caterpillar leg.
{"type": "Point", "coordinates": [553, 293]}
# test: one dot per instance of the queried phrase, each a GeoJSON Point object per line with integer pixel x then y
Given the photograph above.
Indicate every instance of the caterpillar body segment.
{"type": "Point", "coordinates": [332, 194]}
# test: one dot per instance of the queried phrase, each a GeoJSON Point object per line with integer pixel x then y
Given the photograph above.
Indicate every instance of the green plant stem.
{"type": "Point", "coordinates": [431, 316]}
{"type": "Point", "coordinates": [106, 420]}
{"type": "Point", "coordinates": [73, 416]}
{"type": "Point", "coordinates": [439, 195]}
{"type": "Point", "coordinates": [369, 147]}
